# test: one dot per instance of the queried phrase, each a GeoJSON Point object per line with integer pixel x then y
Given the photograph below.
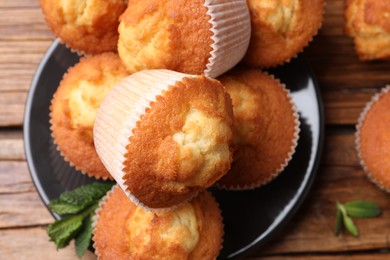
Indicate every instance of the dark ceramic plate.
{"type": "Point", "coordinates": [251, 218]}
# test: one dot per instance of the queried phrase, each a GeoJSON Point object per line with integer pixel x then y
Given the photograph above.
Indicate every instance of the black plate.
{"type": "Point", "coordinates": [251, 218]}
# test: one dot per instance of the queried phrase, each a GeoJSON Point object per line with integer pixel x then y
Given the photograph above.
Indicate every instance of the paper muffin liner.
{"type": "Point", "coordinates": [119, 113]}
{"type": "Point", "coordinates": [360, 122]}
{"type": "Point", "coordinates": [95, 218]}
{"type": "Point", "coordinates": [297, 129]}
{"type": "Point", "coordinates": [231, 28]}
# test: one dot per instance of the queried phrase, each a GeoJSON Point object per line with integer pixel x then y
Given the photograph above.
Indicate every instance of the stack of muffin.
{"type": "Point", "coordinates": [156, 105]}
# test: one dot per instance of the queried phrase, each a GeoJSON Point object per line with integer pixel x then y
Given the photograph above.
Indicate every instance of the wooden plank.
{"type": "Point", "coordinates": [312, 229]}
{"type": "Point", "coordinates": [339, 149]}
{"type": "Point", "coordinates": [12, 108]}
{"type": "Point", "coordinates": [11, 145]}
{"type": "Point", "coordinates": [23, 23]}
{"type": "Point", "coordinates": [23, 209]}
{"type": "Point", "coordinates": [33, 243]}
{"type": "Point", "coordinates": [15, 179]}
{"type": "Point", "coordinates": [18, 4]}
{"type": "Point", "coordinates": [345, 107]}
{"type": "Point", "coordinates": [323, 256]}
{"type": "Point", "coordinates": [18, 63]}
{"type": "Point", "coordinates": [20, 204]}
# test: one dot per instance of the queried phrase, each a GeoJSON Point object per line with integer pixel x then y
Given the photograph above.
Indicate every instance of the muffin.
{"type": "Point", "coordinates": [122, 230]}
{"type": "Point", "coordinates": [373, 139]}
{"type": "Point", "coordinates": [195, 37]}
{"type": "Point", "coordinates": [85, 26]}
{"type": "Point", "coordinates": [368, 23]}
{"type": "Point", "coordinates": [281, 29]}
{"type": "Point", "coordinates": [164, 136]}
{"type": "Point", "coordinates": [74, 106]}
{"type": "Point", "coordinates": [266, 128]}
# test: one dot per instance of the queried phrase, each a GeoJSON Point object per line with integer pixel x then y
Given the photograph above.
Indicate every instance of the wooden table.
{"type": "Point", "coordinates": [346, 85]}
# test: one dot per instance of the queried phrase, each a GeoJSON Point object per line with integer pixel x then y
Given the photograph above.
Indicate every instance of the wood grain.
{"type": "Point", "coordinates": [312, 229]}
{"type": "Point", "coordinates": [33, 243]}
{"type": "Point", "coordinates": [346, 85]}
{"type": "Point", "coordinates": [12, 108]}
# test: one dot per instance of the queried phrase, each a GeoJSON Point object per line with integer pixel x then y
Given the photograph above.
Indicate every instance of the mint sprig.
{"type": "Point", "coordinates": [79, 206]}
{"type": "Point", "coordinates": [358, 209]}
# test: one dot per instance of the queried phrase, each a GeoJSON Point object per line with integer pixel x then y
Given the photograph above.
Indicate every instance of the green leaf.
{"type": "Point", "coordinates": [62, 231]}
{"type": "Point", "coordinates": [61, 208]}
{"type": "Point", "coordinates": [339, 221]}
{"type": "Point", "coordinates": [362, 209]}
{"type": "Point", "coordinates": [83, 239]}
{"type": "Point", "coordinates": [350, 226]}
{"type": "Point", "coordinates": [80, 198]}
{"type": "Point", "coordinates": [86, 195]}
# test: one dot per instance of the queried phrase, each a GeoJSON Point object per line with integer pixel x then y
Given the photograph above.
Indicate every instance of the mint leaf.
{"type": "Point", "coordinates": [362, 209]}
{"type": "Point", "coordinates": [80, 204]}
{"type": "Point", "coordinates": [71, 202]}
{"type": "Point", "coordinates": [350, 226]}
{"type": "Point", "coordinates": [339, 221]}
{"type": "Point", "coordinates": [86, 195]}
{"type": "Point", "coordinates": [83, 239]}
{"type": "Point", "coordinates": [61, 208]}
{"type": "Point", "coordinates": [62, 231]}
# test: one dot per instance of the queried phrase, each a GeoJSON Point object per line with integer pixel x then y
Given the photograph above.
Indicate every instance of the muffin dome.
{"type": "Point", "coordinates": [74, 106]}
{"type": "Point", "coordinates": [164, 136]}
{"type": "Point", "coordinates": [281, 29]}
{"type": "Point", "coordinates": [266, 128]}
{"type": "Point", "coordinates": [122, 230]}
{"type": "Point", "coordinates": [373, 139]}
{"type": "Point", "coordinates": [86, 26]}
{"type": "Point", "coordinates": [195, 37]}
{"type": "Point", "coordinates": [367, 21]}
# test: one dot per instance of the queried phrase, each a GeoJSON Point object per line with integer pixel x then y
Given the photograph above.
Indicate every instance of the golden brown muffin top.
{"type": "Point", "coordinates": [374, 139]}
{"type": "Point", "coordinates": [124, 231]}
{"type": "Point", "coordinates": [165, 34]}
{"type": "Point", "coordinates": [181, 144]}
{"type": "Point", "coordinates": [74, 107]}
{"type": "Point", "coordinates": [88, 26]}
{"type": "Point", "coordinates": [281, 29]}
{"type": "Point", "coordinates": [368, 22]}
{"type": "Point", "coordinates": [265, 128]}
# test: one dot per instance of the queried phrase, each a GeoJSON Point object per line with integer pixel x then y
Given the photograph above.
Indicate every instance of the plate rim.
{"type": "Point", "coordinates": [250, 247]}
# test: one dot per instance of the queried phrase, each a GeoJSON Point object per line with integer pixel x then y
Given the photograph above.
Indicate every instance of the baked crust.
{"type": "Point", "coordinates": [118, 222]}
{"type": "Point", "coordinates": [73, 136]}
{"type": "Point", "coordinates": [374, 140]}
{"type": "Point", "coordinates": [165, 34]}
{"type": "Point", "coordinates": [368, 23]}
{"type": "Point", "coordinates": [88, 26]}
{"type": "Point", "coordinates": [265, 128]}
{"type": "Point", "coordinates": [161, 171]}
{"type": "Point", "coordinates": [281, 29]}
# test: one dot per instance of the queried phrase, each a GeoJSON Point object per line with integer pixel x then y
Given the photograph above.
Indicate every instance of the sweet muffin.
{"type": "Point", "coordinates": [85, 26]}
{"type": "Point", "coordinates": [164, 136]}
{"type": "Point", "coordinates": [195, 37]}
{"type": "Point", "coordinates": [373, 139]}
{"type": "Point", "coordinates": [281, 29]}
{"type": "Point", "coordinates": [368, 23]}
{"type": "Point", "coordinates": [74, 106]}
{"type": "Point", "coordinates": [122, 230]}
{"type": "Point", "coordinates": [266, 128]}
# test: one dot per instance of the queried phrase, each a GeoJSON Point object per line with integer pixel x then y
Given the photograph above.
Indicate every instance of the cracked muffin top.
{"type": "Point", "coordinates": [368, 23]}
{"type": "Point", "coordinates": [122, 230]}
{"type": "Point", "coordinates": [281, 29]}
{"type": "Point", "coordinates": [85, 26]}
{"type": "Point", "coordinates": [74, 106]}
